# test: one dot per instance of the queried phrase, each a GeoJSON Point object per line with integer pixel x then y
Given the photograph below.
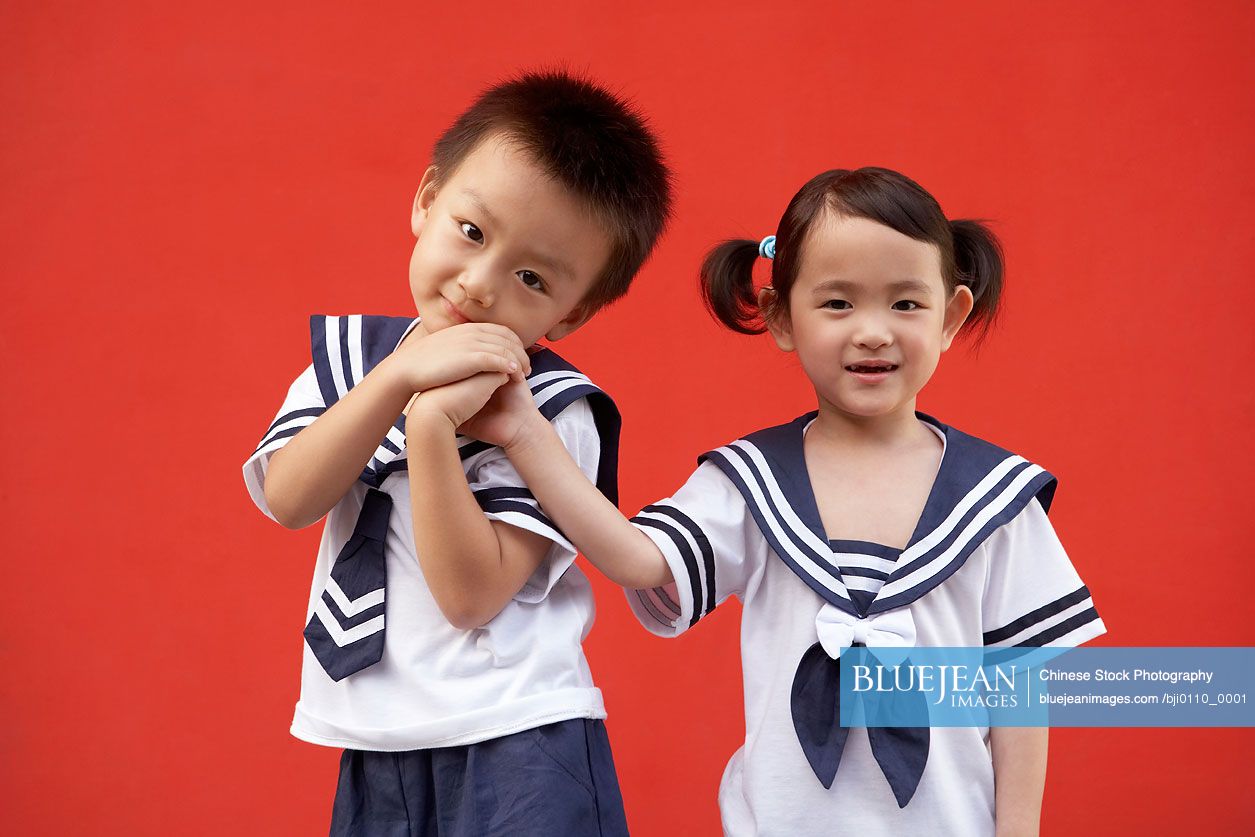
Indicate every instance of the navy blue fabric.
{"type": "Point", "coordinates": [966, 462]}
{"type": "Point", "coordinates": [557, 779]}
{"type": "Point", "coordinates": [360, 568]}
{"type": "Point", "coordinates": [815, 702]}
{"type": "Point", "coordinates": [379, 338]}
{"type": "Point", "coordinates": [605, 416]}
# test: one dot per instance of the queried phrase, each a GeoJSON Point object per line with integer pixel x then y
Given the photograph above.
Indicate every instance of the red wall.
{"type": "Point", "coordinates": [183, 186]}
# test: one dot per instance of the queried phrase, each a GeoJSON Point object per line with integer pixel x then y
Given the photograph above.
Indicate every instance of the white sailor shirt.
{"type": "Point", "coordinates": [437, 685]}
{"type": "Point", "coordinates": [983, 567]}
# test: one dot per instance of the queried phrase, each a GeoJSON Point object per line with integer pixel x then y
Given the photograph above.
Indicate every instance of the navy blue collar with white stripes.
{"type": "Point", "coordinates": [978, 488]}
{"type": "Point", "coordinates": [345, 349]}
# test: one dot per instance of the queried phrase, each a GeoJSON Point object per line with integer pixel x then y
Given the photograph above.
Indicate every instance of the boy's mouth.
{"type": "Point", "coordinates": [453, 313]}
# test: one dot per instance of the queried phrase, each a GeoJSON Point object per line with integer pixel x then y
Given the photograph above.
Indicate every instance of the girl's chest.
{"type": "Point", "coordinates": [879, 503]}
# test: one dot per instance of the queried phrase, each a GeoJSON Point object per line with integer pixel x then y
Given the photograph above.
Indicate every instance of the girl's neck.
{"type": "Point", "coordinates": [836, 428]}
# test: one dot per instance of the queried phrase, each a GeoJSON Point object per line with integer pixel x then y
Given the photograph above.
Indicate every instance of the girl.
{"type": "Point", "coordinates": [861, 521]}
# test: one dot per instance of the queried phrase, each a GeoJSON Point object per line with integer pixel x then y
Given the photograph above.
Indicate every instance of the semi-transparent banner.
{"type": "Point", "coordinates": [1078, 687]}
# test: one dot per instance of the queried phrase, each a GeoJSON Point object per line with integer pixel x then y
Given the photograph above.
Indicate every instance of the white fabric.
{"type": "Point", "coordinates": [436, 685]}
{"type": "Point", "coordinates": [768, 788]}
{"type": "Point", "coordinates": [838, 630]}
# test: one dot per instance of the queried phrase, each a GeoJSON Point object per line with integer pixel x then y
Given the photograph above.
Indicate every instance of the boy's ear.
{"type": "Point", "coordinates": [423, 200]}
{"type": "Point", "coordinates": [957, 311]}
{"type": "Point", "coordinates": [776, 320]}
{"type": "Point", "coordinates": [579, 315]}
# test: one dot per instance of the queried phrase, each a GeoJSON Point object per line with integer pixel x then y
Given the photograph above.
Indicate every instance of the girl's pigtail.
{"type": "Point", "coordinates": [978, 260]}
{"type": "Point", "coordinates": [728, 285]}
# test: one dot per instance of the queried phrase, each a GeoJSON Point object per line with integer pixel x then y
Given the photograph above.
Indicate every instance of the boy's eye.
{"type": "Point", "coordinates": [837, 304]}
{"type": "Point", "coordinates": [472, 232]}
{"type": "Point", "coordinates": [905, 305]}
{"type": "Point", "coordinates": [531, 280]}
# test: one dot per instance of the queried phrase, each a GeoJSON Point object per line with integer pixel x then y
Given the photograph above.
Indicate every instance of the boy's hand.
{"type": "Point", "coordinates": [456, 402]}
{"type": "Point", "coordinates": [458, 352]}
{"type": "Point", "coordinates": [506, 416]}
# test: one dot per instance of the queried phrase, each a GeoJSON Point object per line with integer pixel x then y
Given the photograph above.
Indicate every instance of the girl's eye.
{"type": "Point", "coordinates": [531, 280]}
{"type": "Point", "coordinates": [837, 304]}
{"type": "Point", "coordinates": [472, 232]}
{"type": "Point", "coordinates": [905, 305]}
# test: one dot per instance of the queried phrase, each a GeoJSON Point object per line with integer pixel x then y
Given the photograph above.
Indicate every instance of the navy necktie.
{"type": "Point", "coordinates": [346, 631]}
{"type": "Point", "coordinates": [901, 752]}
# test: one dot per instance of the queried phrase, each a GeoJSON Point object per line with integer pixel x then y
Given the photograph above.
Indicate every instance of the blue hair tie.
{"type": "Point", "coordinates": [767, 247]}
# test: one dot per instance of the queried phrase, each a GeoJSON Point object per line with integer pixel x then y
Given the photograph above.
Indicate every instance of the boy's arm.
{"type": "Point", "coordinates": [1019, 756]}
{"type": "Point", "coordinates": [472, 565]}
{"type": "Point", "coordinates": [596, 527]}
{"type": "Point", "coordinates": [309, 475]}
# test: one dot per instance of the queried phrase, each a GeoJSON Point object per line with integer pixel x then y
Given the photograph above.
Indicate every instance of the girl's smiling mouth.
{"type": "Point", "coordinates": [871, 367]}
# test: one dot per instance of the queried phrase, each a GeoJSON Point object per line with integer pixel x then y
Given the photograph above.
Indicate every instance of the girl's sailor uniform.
{"type": "Point", "coordinates": [983, 567]}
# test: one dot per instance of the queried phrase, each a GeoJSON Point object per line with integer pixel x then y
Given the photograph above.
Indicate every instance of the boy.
{"type": "Point", "coordinates": [445, 620]}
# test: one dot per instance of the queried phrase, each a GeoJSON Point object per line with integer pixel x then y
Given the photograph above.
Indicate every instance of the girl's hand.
{"type": "Point", "coordinates": [458, 352]}
{"type": "Point", "coordinates": [505, 417]}
{"type": "Point", "coordinates": [456, 402]}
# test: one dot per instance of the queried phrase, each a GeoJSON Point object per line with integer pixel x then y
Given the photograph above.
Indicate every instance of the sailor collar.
{"type": "Point", "coordinates": [346, 348]}
{"type": "Point", "coordinates": [979, 487]}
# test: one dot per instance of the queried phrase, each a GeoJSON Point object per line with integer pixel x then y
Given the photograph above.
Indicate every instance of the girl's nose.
{"type": "Point", "coordinates": [872, 333]}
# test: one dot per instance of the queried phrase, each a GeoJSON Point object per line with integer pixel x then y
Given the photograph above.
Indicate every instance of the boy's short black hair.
{"type": "Point", "coordinates": [593, 143]}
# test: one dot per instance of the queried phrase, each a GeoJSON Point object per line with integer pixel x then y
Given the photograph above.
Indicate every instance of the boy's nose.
{"type": "Point", "coordinates": [477, 286]}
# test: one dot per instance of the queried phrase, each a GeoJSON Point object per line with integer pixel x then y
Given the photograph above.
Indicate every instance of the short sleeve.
{"type": "Point", "coordinates": [303, 404]}
{"type": "Point", "coordinates": [502, 494]}
{"type": "Point", "coordinates": [1033, 595]}
{"type": "Point", "coordinates": [711, 544]}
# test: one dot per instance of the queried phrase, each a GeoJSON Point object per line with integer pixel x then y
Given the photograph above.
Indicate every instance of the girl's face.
{"type": "Point", "coordinates": [869, 316]}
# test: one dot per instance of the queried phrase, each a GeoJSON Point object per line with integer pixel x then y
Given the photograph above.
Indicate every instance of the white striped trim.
{"type": "Point", "coordinates": [332, 345]}
{"type": "Point", "coordinates": [1048, 623]}
{"type": "Point", "coordinates": [1079, 634]}
{"type": "Point", "coordinates": [791, 519]}
{"type": "Point", "coordinates": [383, 455]}
{"type": "Point", "coordinates": [274, 444]}
{"type": "Point", "coordinates": [547, 394]}
{"type": "Point", "coordinates": [355, 349]}
{"type": "Point", "coordinates": [647, 604]}
{"type": "Point", "coordinates": [525, 521]}
{"type": "Point", "coordinates": [544, 377]}
{"type": "Point", "coordinates": [859, 559]}
{"type": "Point", "coordinates": [859, 582]}
{"type": "Point", "coordinates": [695, 550]}
{"type": "Point", "coordinates": [982, 488]}
{"type": "Point", "coordinates": [938, 562]}
{"type": "Point", "coordinates": [352, 607]}
{"type": "Point", "coordinates": [342, 637]}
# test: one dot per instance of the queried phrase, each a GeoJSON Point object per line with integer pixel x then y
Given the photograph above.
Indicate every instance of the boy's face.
{"type": "Point", "coordinates": [500, 241]}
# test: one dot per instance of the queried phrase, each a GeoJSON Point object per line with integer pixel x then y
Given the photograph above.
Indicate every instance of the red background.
{"type": "Point", "coordinates": [183, 186]}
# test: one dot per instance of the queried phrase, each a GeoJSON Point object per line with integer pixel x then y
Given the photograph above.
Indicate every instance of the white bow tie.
{"type": "Point", "coordinates": [839, 630]}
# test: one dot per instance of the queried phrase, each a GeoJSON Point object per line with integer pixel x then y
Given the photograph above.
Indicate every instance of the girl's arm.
{"type": "Point", "coordinates": [1019, 755]}
{"type": "Point", "coordinates": [592, 523]}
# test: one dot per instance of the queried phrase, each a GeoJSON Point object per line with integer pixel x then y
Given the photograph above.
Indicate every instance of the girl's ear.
{"type": "Point", "coordinates": [957, 311]}
{"type": "Point", "coordinates": [776, 318]}
{"type": "Point", "coordinates": [423, 200]}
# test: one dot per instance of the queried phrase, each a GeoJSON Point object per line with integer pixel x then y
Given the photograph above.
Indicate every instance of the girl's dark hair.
{"type": "Point", "coordinates": [970, 254]}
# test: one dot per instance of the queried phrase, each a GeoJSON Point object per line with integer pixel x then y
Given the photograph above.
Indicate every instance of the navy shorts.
{"type": "Point", "coordinates": [553, 780]}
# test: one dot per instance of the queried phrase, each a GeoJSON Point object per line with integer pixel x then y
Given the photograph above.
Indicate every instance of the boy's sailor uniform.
{"type": "Point", "coordinates": [983, 567]}
{"type": "Point", "coordinates": [430, 684]}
